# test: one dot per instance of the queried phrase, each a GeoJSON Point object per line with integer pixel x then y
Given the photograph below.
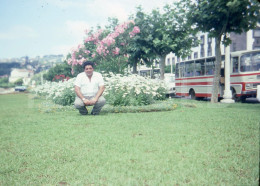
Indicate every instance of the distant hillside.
{"type": "Point", "coordinates": [37, 64]}
{"type": "Point", "coordinates": [5, 68]}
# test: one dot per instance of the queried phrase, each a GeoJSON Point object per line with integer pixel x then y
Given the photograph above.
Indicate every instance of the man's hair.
{"type": "Point", "coordinates": [88, 63]}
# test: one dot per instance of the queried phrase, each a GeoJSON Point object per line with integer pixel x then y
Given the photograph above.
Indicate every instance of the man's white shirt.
{"type": "Point", "coordinates": [89, 87]}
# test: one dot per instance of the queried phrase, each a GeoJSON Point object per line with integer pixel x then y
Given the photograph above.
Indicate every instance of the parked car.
{"type": "Point", "coordinates": [169, 80]}
{"type": "Point", "coordinates": [20, 88]}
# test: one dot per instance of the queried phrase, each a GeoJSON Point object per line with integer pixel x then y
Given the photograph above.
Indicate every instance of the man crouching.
{"type": "Point", "coordinates": [89, 87]}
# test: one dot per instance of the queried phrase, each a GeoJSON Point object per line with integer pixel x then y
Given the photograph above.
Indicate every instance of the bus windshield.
{"type": "Point", "coordinates": [250, 62]}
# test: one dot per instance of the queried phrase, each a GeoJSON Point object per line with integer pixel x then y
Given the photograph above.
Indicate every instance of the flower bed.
{"type": "Point", "coordinates": [129, 90]}
{"type": "Point", "coordinates": [61, 92]}
{"type": "Point", "coordinates": [132, 90]}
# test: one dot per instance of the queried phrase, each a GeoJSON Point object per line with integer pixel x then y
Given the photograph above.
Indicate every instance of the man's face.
{"type": "Point", "coordinates": [89, 70]}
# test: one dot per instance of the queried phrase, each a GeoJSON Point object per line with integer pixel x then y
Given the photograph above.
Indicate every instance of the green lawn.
{"type": "Point", "coordinates": [198, 143]}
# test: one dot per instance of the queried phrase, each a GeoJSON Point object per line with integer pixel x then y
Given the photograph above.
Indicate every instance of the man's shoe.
{"type": "Point", "coordinates": [83, 111]}
{"type": "Point", "coordinates": [92, 113]}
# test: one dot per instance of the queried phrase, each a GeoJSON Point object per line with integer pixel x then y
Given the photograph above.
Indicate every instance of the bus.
{"type": "Point", "coordinates": [194, 78]}
{"type": "Point", "coordinates": [149, 72]}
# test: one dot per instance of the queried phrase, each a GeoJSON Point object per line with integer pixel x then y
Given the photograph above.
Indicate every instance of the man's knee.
{"type": "Point", "coordinates": [78, 106]}
{"type": "Point", "coordinates": [78, 103]}
{"type": "Point", "coordinates": [101, 101]}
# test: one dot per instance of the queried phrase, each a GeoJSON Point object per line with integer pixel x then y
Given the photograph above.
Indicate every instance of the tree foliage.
{"type": "Point", "coordinates": [147, 38]}
{"type": "Point", "coordinates": [224, 16]}
{"type": "Point", "coordinates": [19, 82]}
{"type": "Point", "coordinates": [4, 83]}
{"type": "Point", "coordinates": [220, 18]}
{"type": "Point", "coordinates": [107, 48]}
{"type": "Point", "coordinates": [60, 69]}
{"type": "Point", "coordinates": [167, 31]}
{"type": "Point", "coordinates": [140, 48]}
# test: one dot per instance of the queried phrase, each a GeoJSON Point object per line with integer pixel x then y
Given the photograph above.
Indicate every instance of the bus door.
{"type": "Point", "coordinates": [179, 74]}
{"type": "Point", "coordinates": [209, 73]}
{"type": "Point", "coordinates": [182, 81]}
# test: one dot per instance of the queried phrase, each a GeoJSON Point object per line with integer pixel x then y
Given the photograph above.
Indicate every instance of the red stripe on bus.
{"type": "Point", "coordinates": [203, 95]}
{"type": "Point", "coordinates": [196, 94]}
{"type": "Point", "coordinates": [193, 83]}
{"type": "Point", "coordinates": [252, 74]}
{"type": "Point", "coordinates": [182, 94]}
{"type": "Point", "coordinates": [244, 84]}
{"type": "Point", "coordinates": [204, 77]}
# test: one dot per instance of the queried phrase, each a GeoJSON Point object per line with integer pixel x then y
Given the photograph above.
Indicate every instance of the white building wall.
{"type": "Point", "coordinates": [249, 46]}
{"type": "Point", "coordinates": [250, 40]}
{"type": "Point", "coordinates": [20, 73]}
{"type": "Point", "coordinates": [169, 58]}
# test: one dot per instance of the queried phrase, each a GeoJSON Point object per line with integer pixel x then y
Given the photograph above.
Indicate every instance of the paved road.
{"type": "Point", "coordinates": [248, 100]}
{"type": "Point", "coordinates": [6, 90]}
{"type": "Point", "coordinates": [252, 100]}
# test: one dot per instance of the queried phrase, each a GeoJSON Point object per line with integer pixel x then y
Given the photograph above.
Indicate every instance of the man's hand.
{"type": "Point", "coordinates": [90, 102]}
{"type": "Point", "coordinates": [93, 101]}
{"type": "Point", "coordinates": [87, 102]}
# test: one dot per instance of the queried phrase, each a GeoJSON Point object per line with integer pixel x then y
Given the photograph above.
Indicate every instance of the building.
{"type": "Point", "coordinates": [246, 41]}
{"type": "Point", "coordinates": [21, 73]}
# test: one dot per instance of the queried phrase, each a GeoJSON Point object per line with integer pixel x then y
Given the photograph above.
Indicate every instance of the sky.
{"type": "Point", "coordinates": [44, 27]}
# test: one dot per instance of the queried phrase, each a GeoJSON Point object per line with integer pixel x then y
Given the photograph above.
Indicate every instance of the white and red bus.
{"type": "Point", "coordinates": [194, 78]}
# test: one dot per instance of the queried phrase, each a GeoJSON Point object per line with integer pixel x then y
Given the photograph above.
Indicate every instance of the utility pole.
{"type": "Point", "coordinates": [227, 92]}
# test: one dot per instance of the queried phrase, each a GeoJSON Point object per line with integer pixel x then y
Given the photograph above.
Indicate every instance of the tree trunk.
{"type": "Point", "coordinates": [135, 68]}
{"type": "Point", "coordinates": [215, 88]}
{"type": "Point", "coordinates": [162, 66]}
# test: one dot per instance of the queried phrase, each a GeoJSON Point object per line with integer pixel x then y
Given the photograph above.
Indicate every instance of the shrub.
{"type": "Point", "coordinates": [133, 90]}
{"type": "Point", "coordinates": [19, 82]}
{"type": "Point", "coordinates": [60, 77]}
{"type": "Point", "coordinates": [130, 90]}
{"type": "Point", "coordinates": [61, 93]}
{"type": "Point", "coordinates": [4, 80]}
{"type": "Point", "coordinates": [66, 98]}
{"type": "Point", "coordinates": [4, 83]}
{"type": "Point", "coordinates": [63, 68]}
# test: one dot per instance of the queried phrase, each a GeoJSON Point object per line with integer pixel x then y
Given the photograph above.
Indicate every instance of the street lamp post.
{"type": "Point", "coordinates": [227, 92]}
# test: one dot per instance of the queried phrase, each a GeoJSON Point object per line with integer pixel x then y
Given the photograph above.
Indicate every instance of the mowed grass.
{"type": "Point", "coordinates": [199, 143]}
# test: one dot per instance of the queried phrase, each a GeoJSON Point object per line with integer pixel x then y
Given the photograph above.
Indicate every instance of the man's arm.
{"type": "Point", "coordinates": [92, 101]}
{"type": "Point", "coordinates": [79, 94]}
{"type": "Point", "coordinates": [99, 93]}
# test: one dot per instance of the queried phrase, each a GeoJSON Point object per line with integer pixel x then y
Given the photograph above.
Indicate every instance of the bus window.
{"type": "Point", "coordinates": [181, 70]}
{"type": "Point", "coordinates": [189, 69]}
{"type": "Point", "coordinates": [234, 63]}
{"type": "Point", "coordinates": [250, 62]}
{"type": "Point", "coordinates": [210, 66]}
{"type": "Point", "coordinates": [256, 61]}
{"type": "Point", "coordinates": [177, 70]}
{"type": "Point", "coordinates": [200, 68]}
{"type": "Point", "coordinates": [245, 63]}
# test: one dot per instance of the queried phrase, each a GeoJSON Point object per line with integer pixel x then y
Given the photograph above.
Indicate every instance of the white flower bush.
{"type": "Point", "coordinates": [61, 92]}
{"type": "Point", "coordinates": [132, 89]}
{"type": "Point", "coordinates": [120, 90]}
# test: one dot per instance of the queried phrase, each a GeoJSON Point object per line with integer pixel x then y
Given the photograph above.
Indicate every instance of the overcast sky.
{"type": "Point", "coordinates": [42, 27]}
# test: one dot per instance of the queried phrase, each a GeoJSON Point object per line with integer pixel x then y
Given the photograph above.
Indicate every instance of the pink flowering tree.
{"type": "Point", "coordinates": [108, 49]}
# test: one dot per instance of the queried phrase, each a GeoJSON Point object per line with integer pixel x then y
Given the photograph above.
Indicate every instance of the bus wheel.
{"type": "Point", "coordinates": [192, 94]}
{"type": "Point", "coordinates": [243, 99]}
{"type": "Point", "coordinates": [234, 95]}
